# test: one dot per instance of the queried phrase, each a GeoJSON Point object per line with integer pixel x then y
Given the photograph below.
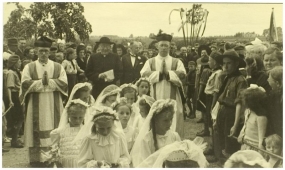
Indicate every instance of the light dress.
{"type": "Point", "coordinates": [111, 149]}
{"type": "Point", "coordinates": [68, 151]}
{"type": "Point", "coordinates": [130, 134]}
{"type": "Point", "coordinates": [147, 145]}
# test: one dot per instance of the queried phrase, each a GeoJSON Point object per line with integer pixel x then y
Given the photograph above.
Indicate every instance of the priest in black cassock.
{"type": "Point", "coordinates": [100, 63]}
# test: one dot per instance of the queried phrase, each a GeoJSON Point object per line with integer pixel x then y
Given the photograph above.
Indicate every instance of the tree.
{"type": "Point", "coordinates": [64, 20]}
{"type": "Point", "coordinates": [131, 36]}
{"type": "Point", "coordinates": [19, 24]}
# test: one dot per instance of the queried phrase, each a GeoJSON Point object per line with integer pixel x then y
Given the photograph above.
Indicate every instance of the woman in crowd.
{"type": "Point", "coordinates": [120, 50]}
{"type": "Point", "coordinates": [71, 68]}
{"type": "Point", "coordinates": [82, 62]}
{"type": "Point", "coordinates": [272, 57]}
{"type": "Point", "coordinates": [29, 56]}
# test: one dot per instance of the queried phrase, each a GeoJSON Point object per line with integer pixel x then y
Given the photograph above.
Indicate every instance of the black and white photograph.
{"type": "Point", "coordinates": [142, 84]}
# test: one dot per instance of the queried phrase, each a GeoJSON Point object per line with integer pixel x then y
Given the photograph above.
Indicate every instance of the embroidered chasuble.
{"type": "Point", "coordinates": [43, 102]}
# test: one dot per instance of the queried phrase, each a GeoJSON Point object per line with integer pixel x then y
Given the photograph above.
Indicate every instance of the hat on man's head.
{"type": "Point", "coordinates": [105, 40]}
{"type": "Point", "coordinates": [12, 41]}
{"type": "Point", "coordinates": [233, 55]}
{"type": "Point", "coordinates": [13, 59]}
{"type": "Point", "coordinates": [215, 54]}
{"type": "Point", "coordinates": [53, 48]}
{"type": "Point", "coordinates": [163, 37]}
{"type": "Point", "coordinates": [204, 47]}
{"type": "Point", "coordinates": [43, 41]}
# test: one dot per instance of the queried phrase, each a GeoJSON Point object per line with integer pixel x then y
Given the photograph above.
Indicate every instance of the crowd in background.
{"type": "Point", "coordinates": [237, 87]}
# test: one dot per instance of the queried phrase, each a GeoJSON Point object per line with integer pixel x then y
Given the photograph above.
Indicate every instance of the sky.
{"type": "Point", "coordinates": [141, 19]}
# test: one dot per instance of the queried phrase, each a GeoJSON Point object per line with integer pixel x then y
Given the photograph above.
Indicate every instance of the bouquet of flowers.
{"type": "Point", "coordinates": [51, 157]}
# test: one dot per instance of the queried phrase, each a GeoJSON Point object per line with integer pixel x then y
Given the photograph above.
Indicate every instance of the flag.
{"type": "Point", "coordinates": [272, 29]}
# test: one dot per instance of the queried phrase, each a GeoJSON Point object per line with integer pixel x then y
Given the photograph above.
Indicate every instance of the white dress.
{"type": "Point", "coordinates": [130, 134]}
{"type": "Point", "coordinates": [147, 145]}
{"type": "Point", "coordinates": [134, 116]}
{"type": "Point", "coordinates": [68, 151]}
{"type": "Point", "coordinates": [112, 149]}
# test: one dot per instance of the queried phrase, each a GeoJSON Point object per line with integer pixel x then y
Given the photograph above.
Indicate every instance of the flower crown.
{"type": "Point", "coordinates": [104, 112]}
{"type": "Point", "coordinates": [78, 101]}
{"type": "Point", "coordinates": [142, 79]}
{"type": "Point", "coordinates": [161, 104]}
{"type": "Point", "coordinates": [128, 85]}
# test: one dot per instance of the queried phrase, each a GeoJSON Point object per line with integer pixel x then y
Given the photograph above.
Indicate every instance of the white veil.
{"type": "Point", "coordinates": [193, 149]}
{"type": "Point", "coordinates": [107, 91]}
{"type": "Point", "coordinates": [64, 116]}
{"type": "Point", "coordinates": [86, 129]}
{"type": "Point", "coordinates": [155, 108]}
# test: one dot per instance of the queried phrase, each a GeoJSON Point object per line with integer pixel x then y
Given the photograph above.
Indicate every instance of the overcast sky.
{"type": "Point", "coordinates": [141, 19]}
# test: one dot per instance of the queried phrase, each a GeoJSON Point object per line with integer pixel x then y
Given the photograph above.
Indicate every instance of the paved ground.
{"type": "Point", "coordinates": [18, 158]}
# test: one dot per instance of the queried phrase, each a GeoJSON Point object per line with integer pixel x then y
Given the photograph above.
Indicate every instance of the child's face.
{"type": "Point", "coordinates": [163, 122]}
{"type": "Point", "coordinates": [212, 63]}
{"type": "Point", "coordinates": [191, 67]}
{"type": "Point", "coordinates": [84, 96]}
{"type": "Point", "coordinates": [58, 58]}
{"type": "Point", "coordinates": [104, 126]}
{"type": "Point", "coordinates": [110, 100]}
{"type": "Point", "coordinates": [143, 111]}
{"type": "Point", "coordinates": [76, 117]}
{"type": "Point", "coordinates": [130, 98]}
{"type": "Point", "coordinates": [143, 88]}
{"type": "Point", "coordinates": [72, 56]}
{"type": "Point", "coordinates": [273, 148]}
{"type": "Point", "coordinates": [124, 114]}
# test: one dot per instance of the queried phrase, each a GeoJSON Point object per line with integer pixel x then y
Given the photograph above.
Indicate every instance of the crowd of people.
{"type": "Point", "coordinates": [115, 105]}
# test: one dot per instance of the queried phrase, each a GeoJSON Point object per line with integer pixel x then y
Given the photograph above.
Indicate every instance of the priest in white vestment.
{"type": "Point", "coordinates": [165, 74]}
{"type": "Point", "coordinates": [43, 84]}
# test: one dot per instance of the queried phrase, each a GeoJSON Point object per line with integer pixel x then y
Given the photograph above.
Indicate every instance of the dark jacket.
{"type": "Point", "coordinates": [131, 73]}
{"type": "Point", "coordinates": [98, 64]}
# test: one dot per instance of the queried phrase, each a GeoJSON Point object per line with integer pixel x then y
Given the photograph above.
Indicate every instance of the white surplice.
{"type": "Point", "coordinates": [166, 89]}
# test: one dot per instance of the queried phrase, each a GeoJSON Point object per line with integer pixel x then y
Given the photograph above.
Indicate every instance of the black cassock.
{"type": "Point", "coordinates": [98, 64]}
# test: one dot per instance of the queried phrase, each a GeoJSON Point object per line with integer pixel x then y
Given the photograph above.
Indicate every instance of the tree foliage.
{"type": "Point", "coordinates": [279, 33]}
{"type": "Point", "coordinates": [63, 20]}
{"type": "Point", "coordinates": [19, 24]}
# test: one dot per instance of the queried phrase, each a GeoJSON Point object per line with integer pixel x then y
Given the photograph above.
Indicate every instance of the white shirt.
{"type": "Point", "coordinates": [133, 59]}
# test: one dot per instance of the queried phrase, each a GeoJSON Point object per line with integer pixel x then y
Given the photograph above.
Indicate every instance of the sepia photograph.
{"type": "Point", "coordinates": [142, 84]}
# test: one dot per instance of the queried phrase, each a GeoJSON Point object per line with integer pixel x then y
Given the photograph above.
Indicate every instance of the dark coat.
{"type": "Point", "coordinates": [20, 54]}
{"type": "Point", "coordinates": [131, 73]}
{"type": "Point", "coordinates": [82, 64]}
{"type": "Point", "coordinates": [98, 64]}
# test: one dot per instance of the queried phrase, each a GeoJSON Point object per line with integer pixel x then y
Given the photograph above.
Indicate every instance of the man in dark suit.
{"type": "Point", "coordinates": [100, 63]}
{"type": "Point", "coordinates": [21, 47]}
{"type": "Point", "coordinates": [132, 64]}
